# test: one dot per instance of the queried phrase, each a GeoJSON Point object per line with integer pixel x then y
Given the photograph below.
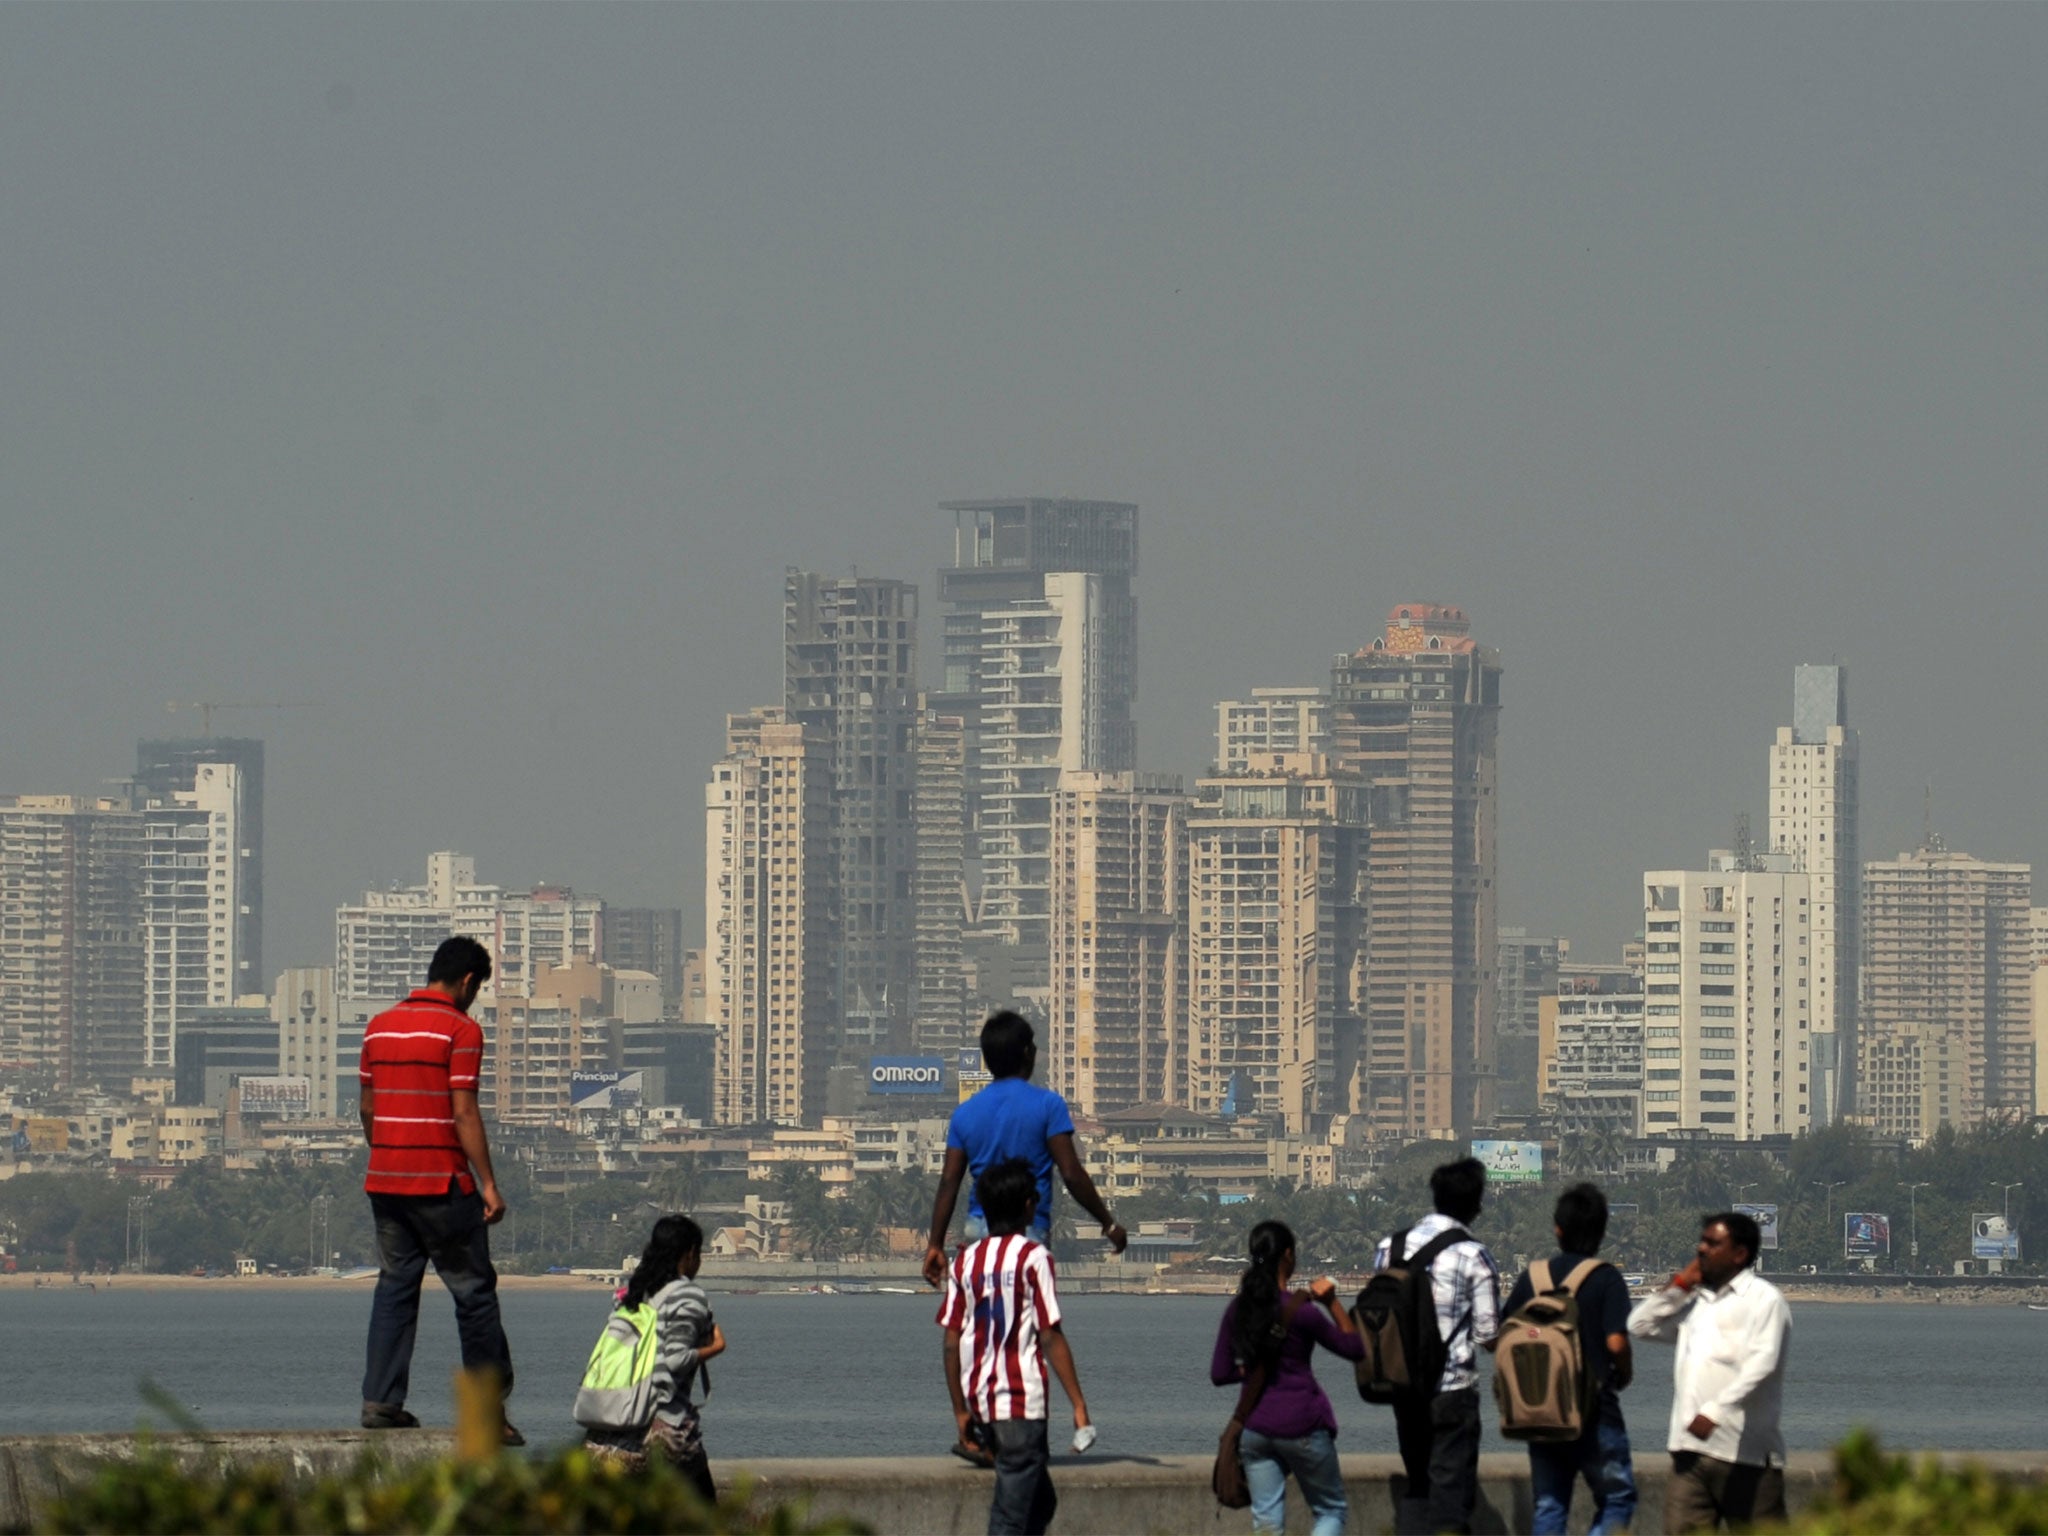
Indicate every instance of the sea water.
{"type": "Point", "coordinates": [859, 1375]}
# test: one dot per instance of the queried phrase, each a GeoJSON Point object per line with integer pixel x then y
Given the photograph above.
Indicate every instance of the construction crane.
{"type": "Point", "coordinates": [206, 707]}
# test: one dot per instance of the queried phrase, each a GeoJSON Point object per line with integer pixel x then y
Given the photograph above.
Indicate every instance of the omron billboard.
{"type": "Point", "coordinates": [906, 1074]}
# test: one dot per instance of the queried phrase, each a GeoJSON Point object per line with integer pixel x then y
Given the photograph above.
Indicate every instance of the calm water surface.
{"type": "Point", "coordinates": [859, 1375]}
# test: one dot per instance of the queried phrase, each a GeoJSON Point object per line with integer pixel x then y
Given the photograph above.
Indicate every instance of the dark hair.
{"type": "Point", "coordinates": [456, 958]}
{"type": "Point", "coordinates": [674, 1239]}
{"type": "Point", "coordinates": [1006, 1190]}
{"type": "Point", "coordinates": [1256, 1330]}
{"type": "Point", "coordinates": [1581, 1218]}
{"type": "Point", "coordinates": [1459, 1189]}
{"type": "Point", "coordinates": [1007, 1045]}
{"type": "Point", "coordinates": [1742, 1231]}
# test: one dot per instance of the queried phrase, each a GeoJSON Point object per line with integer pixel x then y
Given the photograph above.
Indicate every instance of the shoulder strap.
{"type": "Point", "coordinates": [1539, 1277]}
{"type": "Point", "coordinates": [1581, 1272]}
{"type": "Point", "coordinates": [1395, 1245]}
{"type": "Point", "coordinates": [1425, 1256]}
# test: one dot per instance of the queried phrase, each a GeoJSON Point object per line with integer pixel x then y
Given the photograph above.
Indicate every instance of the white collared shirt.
{"type": "Point", "coordinates": [1730, 1367]}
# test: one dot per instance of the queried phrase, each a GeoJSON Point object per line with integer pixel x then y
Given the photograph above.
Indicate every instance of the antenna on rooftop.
{"type": "Point", "coordinates": [1746, 858]}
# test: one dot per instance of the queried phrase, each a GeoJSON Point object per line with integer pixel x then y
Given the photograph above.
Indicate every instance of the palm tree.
{"type": "Point", "coordinates": [679, 1186]}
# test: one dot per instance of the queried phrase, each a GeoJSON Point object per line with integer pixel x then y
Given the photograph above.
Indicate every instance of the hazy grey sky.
{"type": "Point", "coordinates": [475, 370]}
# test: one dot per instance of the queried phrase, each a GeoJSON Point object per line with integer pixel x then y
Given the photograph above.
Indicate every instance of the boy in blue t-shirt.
{"type": "Point", "coordinates": [1011, 1117]}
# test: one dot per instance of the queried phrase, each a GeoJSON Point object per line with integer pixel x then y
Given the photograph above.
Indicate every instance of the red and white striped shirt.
{"type": "Point", "coordinates": [1000, 1296]}
{"type": "Point", "coordinates": [412, 1056]}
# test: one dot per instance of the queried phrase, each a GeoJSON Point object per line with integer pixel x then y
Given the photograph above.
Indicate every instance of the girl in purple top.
{"type": "Point", "coordinates": [1292, 1428]}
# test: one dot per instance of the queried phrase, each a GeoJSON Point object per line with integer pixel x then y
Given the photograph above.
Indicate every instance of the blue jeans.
{"type": "Point", "coordinates": [1601, 1457]}
{"type": "Point", "coordinates": [1312, 1458]}
{"type": "Point", "coordinates": [1024, 1500]}
{"type": "Point", "coordinates": [449, 1230]}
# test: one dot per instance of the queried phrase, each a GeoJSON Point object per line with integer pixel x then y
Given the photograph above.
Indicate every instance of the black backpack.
{"type": "Point", "coordinates": [1396, 1317]}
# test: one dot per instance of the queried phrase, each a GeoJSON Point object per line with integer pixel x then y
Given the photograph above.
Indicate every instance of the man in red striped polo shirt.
{"type": "Point", "coordinates": [430, 1183]}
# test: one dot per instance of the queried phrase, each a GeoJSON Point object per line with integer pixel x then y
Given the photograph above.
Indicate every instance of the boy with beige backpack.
{"type": "Point", "coordinates": [1560, 1362]}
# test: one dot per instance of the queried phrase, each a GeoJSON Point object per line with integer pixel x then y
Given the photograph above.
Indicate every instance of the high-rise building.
{"type": "Point", "coordinates": [1276, 915]}
{"type": "Point", "coordinates": [1525, 972]}
{"type": "Point", "coordinates": [648, 939]}
{"type": "Point", "coordinates": [320, 1037]}
{"type": "Point", "coordinates": [1590, 1059]}
{"type": "Point", "coordinates": [1416, 714]}
{"type": "Point", "coordinates": [1041, 672]}
{"type": "Point", "coordinates": [1271, 720]}
{"type": "Point", "coordinates": [71, 993]}
{"type": "Point", "coordinates": [1045, 711]}
{"type": "Point", "coordinates": [1119, 937]}
{"type": "Point", "coordinates": [549, 925]}
{"type": "Point", "coordinates": [2039, 932]}
{"type": "Point", "coordinates": [1814, 817]}
{"type": "Point", "coordinates": [771, 908]}
{"type": "Point", "coordinates": [166, 769]}
{"type": "Point", "coordinates": [1948, 941]}
{"type": "Point", "coordinates": [384, 942]}
{"type": "Point", "coordinates": [1914, 1077]}
{"type": "Point", "coordinates": [194, 861]}
{"type": "Point", "coordinates": [1002, 551]}
{"type": "Point", "coordinates": [850, 677]}
{"type": "Point", "coordinates": [945, 856]}
{"type": "Point", "coordinates": [1727, 1006]}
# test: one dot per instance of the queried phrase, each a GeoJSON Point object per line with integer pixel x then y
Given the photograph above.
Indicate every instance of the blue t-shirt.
{"type": "Point", "coordinates": [1011, 1117]}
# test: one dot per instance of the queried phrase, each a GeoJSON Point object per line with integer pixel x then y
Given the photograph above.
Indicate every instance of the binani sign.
{"type": "Point", "coordinates": [906, 1074]}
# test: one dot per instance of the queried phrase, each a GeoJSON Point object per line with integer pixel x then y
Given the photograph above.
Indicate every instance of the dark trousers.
{"type": "Point", "coordinates": [448, 1230]}
{"type": "Point", "coordinates": [1024, 1499]}
{"type": "Point", "coordinates": [1440, 1454]}
{"type": "Point", "coordinates": [1705, 1491]}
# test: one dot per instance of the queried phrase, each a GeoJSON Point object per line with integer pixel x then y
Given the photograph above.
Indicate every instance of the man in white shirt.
{"type": "Point", "coordinates": [1728, 1387]}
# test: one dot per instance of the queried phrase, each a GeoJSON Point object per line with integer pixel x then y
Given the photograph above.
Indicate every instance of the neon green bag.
{"type": "Point", "coordinates": [618, 1391]}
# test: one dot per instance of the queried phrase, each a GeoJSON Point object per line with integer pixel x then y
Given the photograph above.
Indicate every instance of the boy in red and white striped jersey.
{"type": "Point", "coordinates": [1002, 1320]}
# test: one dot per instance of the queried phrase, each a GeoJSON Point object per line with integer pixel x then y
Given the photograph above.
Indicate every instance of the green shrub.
{"type": "Point", "coordinates": [569, 1492]}
{"type": "Point", "coordinates": [1880, 1495]}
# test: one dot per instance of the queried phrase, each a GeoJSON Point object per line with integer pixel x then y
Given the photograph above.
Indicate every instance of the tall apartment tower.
{"type": "Point", "coordinates": [850, 677]}
{"type": "Point", "coordinates": [648, 939]}
{"type": "Point", "coordinates": [1002, 551]}
{"type": "Point", "coordinates": [1119, 940]}
{"type": "Point", "coordinates": [1525, 972]}
{"type": "Point", "coordinates": [1277, 902]}
{"type": "Point", "coordinates": [549, 925]}
{"type": "Point", "coordinates": [384, 942]}
{"type": "Point", "coordinates": [1948, 942]}
{"type": "Point", "coordinates": [194, 859]}
{"type": "Point", "coordinates": [1727, 999]}
{"type": "Point", "coordinates": [1026, 572]}
{"type": "Point", "coordinates": [771, 910]}
{"type": "Point", "coordinates": [165, 769]}
{"type": "Point", "coordinates": [70, 942]}
{"type": "Point", "coordinates": [1271, 720]}
{"type": "Point", "coordinates": [1417, 715]}
{"type": "Point", "coordinates": [945, 866]}
{"type": "Point", "coordinates": [1813, 818]}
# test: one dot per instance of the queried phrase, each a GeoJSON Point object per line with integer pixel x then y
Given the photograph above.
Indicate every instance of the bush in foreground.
{"type": "Point", "coordinates": [568, 1492]}
{"type": "Point", "coordinates": [1880, 1495]}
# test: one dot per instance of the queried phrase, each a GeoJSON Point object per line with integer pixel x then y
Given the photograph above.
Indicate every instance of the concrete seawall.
{"type": "Point", "coordinates": [929, 1496]}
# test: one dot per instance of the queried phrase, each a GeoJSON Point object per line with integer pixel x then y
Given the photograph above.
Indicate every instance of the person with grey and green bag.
{"type": "Point", "coordinates": [636, 1400]}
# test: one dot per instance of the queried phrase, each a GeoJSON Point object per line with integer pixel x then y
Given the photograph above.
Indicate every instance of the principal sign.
{"type": "Point", "coordinates": [606, 1090]}
{"type": "Point", "coordinates": [906, 1074]}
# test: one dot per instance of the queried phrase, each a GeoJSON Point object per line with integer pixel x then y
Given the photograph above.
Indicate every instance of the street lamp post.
{"type": "Point", "coordinates": [1913, 1212]}
{"type": "Point", "coordinates": [1830, 1188]}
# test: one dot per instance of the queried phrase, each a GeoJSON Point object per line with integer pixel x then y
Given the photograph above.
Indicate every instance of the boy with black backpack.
{"type": "Point", "coordinates": [1432, 1304]}
{"type": "Point", "coordinates": [1567, 1327]}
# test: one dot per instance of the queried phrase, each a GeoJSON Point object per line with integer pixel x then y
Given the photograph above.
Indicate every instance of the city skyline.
{"type": "Point", "coordinates": [1747, 384]}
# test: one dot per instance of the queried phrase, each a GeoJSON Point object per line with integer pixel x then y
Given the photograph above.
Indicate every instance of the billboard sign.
{"type": "Point", "coordinates": [1866, 1235]}
{"type": "Point", "coordinates": [291, 1096]}
{"type": "Point", "coordinates": [1993, 1237]}
{"type": "Point", "coordinates": [1766, 1219]}
{"type": "Point", "coordinates": [48, 1134]}
{"type": "Point", "coordinates": [973, 1075]}
{"type": "Point", "coordinates": [606, 1090]}
{"type": "Point", "coordinates": [906, 1074]}
{"type": "Point", "coordinates": [1511, 1162]}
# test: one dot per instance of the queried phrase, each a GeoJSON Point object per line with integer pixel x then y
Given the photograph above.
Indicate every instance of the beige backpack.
{"type": "Point", "coordinates": [1540, 1382]}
